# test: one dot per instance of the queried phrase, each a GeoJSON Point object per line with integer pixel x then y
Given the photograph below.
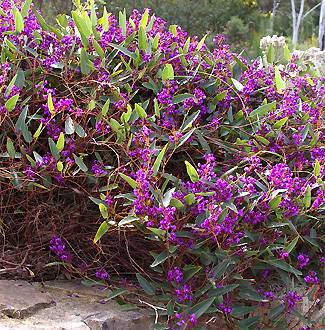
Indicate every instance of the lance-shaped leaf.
{"type": "Point", "coordinates": [102, 230]}
{"type": "Point", "coordinates": [60, 142]}
{"type": "Point", "coordinates": [11, 103]}
{"type": "Point", "coordinates": [19, 21]}
{"type": "Point", "coordinates": [168, 72]}
{"type": "Point", "coordinates": [279, 82]}
{"type": "Point", "coordinates": [158, 160]}
{"type": "Point", "coordinates": [191, 171]}
{"type": "Point", "coordinates": [129, 180]}
{"type": "Point", "coordinates": [80, 163]}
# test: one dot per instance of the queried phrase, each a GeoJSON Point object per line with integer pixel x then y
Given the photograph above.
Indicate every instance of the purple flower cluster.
{"type": "Point", "coordinates": [175, 275]}
{"type": "Point", "coordinates": [311, 278]}
{"type": "Point", "coordinates": [102, 274]}
{"type": "Point", "coordinates": [291, 299]}
{"type": "Point", "coordinates": [58, 247]}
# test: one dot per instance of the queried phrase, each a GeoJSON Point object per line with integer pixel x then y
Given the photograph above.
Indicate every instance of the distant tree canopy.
{"type": "Point", "coordinates": [243, 21]}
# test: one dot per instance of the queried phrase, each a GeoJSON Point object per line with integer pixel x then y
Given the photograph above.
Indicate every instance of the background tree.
{"type": "Point", "coordinates": [321, 34]}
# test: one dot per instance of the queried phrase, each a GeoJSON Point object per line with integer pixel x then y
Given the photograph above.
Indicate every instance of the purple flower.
{"type": "Point", "coordinates": [184, 293]}
{"type": "Point", "coordinates": [311, 278]}
{"type": "Point", "coordinates": [302, 260]}
{"type": "Point", "coordinates": [102, 274]}
{"type": "Point", "coordinates": [58, 247]}
{"type": "Point", "coordinates": [225, 308]}
{"type": "Point", "coordinates": [97, 169]}
{"type": "Point", "coordinates": [291, 299]}
{"type": "Point", "coordinates": [175, 275]}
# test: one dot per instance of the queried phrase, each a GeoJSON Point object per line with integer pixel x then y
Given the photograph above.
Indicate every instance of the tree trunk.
{"type": "Point", "coordinates": [321, 34]}
{"type": "Point", "coordinates": [296, 20]}
{"type": "Point", "coordinates": [276, 4]}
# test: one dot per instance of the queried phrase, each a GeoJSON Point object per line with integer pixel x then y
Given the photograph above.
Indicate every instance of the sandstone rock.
{"type": "Point", "coordinates": [19, 299]}
{"type": "Point", "coordinates": [74, 307]}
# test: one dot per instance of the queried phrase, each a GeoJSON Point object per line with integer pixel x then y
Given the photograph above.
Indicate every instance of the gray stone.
{"type": "Point", "coordinates": [19, 299]}
{"type": "Point", "coordinates": [74, 307]}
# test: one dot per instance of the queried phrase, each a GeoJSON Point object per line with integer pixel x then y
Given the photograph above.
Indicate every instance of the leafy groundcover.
{"type": "Point", "coordinates": [186, 179]}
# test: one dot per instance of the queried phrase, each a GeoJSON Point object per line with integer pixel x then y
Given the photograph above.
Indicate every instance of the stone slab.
{"type": "Point", "coordinates": [64, 305]}
{"type": "Point", "coordinates": [20, 299]}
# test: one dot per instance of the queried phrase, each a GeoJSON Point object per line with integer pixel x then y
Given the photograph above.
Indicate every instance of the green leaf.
{"type": "Point", "coordinates": [168, 72]}
{"type": "Point", "coordinates": [124, 50]}
{"type": "Point", "coordinates": [140, 111]}
{"type": "Point", "coordinates": [105, 108]}
{"type": "Point", "coordinates": [185, 137]}
{"type": "Point", "coordinates": [237, 84]}
{"type": "Point", "coordinates": [263, 109]}
{"type": "Point", "coordinates": [145, 285]}
{"type": "Point", "coordinates": [189, 199]}
{"type": "Point", "coordinates": [158, 160]}
{"type": "Point", "coordinates": [50, 104]}
{"type": "Point", "coordinates": [292, 244]}
{"type": "Point", "coordinates": [80, 163]}
{"type": "Point", "coordinates": [181, 97]}
{"type": "Point", "coordinates": [122, 21]}
{"type": "Point", "coordinates": [191, 171]}
{"type": "Point", "coordinates": [19, 21]}
{"type": "Point", "coordinates": [21, 125]}
{"type": "Point", "coordinates": [38, 131]}
{"type": "Point", "coordinates": [54, 150]}
{"type": "Point", "coordinates": [201, 43]}
{"type": "Point", "coordinates": [279, 82]}
{"type": "Point", "coordinates": [221, 268]}
{"type": "Point", "coordinates": [223, 290]}
{"type": "Point", "coordinates": [286, 53]}
{"type": "Point", "coordinates": [176, 203]}
{"type": "Point", "coordinates": [69, 127]}
{"type": "Point", "coordinates": [59, 166]}
{"type": "Point", "coordinates": [102, 230]}
{"type": "Point", "coordinates": [163, 256]}
{"type": "Point", "coordinates": [11, 103]}
{"type": "Point", "coordinates": [143, 40]}
{"type": "Point", "coordinates": [25, 8]}
{"type": "Point", "coordinates": [190, 270]}
{"type": "Point", "coordinates": [103, 210]}
{"type": "Point", "coordinates": [173, 29]}
{"type": "Point", "coordinates": [10, 85]}
{"type": "Point", "coordinates": [270, 54]}
{"type": "Point", "coordinates": [82, 24]}
{"type": "Point", "coordinates": [242, 310]}
{"type": "Point", "coordinates": [284, 266]}
{"type": "Point", "coordinates": [278, 124]}
{"type": "Point", "coordinates": [155, 42]}
{"type": "Point", "coordinates": [263, 140]}
{"type": "Point", "coordinates": [276, 311]}
{"type": "Point", "coordinates": [317, 168]}
{"type": "Point", "coordinates": [129, 180]}
{"type": "Point", "coordinates": [274, 203]}
{"type": "Point", "coordinates": [246, 323]}
{"type": "Point", "coordinates": [105, 23]}
{"type": "Point", "coordinates": [98, 48]}
{"type": "Point", "coordinates": [127, 220]}
{"type": "Point", "coordinates": [307, 197]}
{"type": "Point", "coordinates": [189, 120]}
{"type": "Point", "coordinates": [200, 308]}
{"type": "Point", "coordinates": [144, 19]}
{"type": "Point", "coordinates": [219, 97]}
{"type": "Point", "coordinates": [10, 148]}
{"type": "Point", "coordinates": [86, 65]}
{"type": "Point", "coordinates": [60, 142]}
{"type": "Point", "coordinates": [80, 131]}
{"type": "Point", "coordinates": [115, 293]}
